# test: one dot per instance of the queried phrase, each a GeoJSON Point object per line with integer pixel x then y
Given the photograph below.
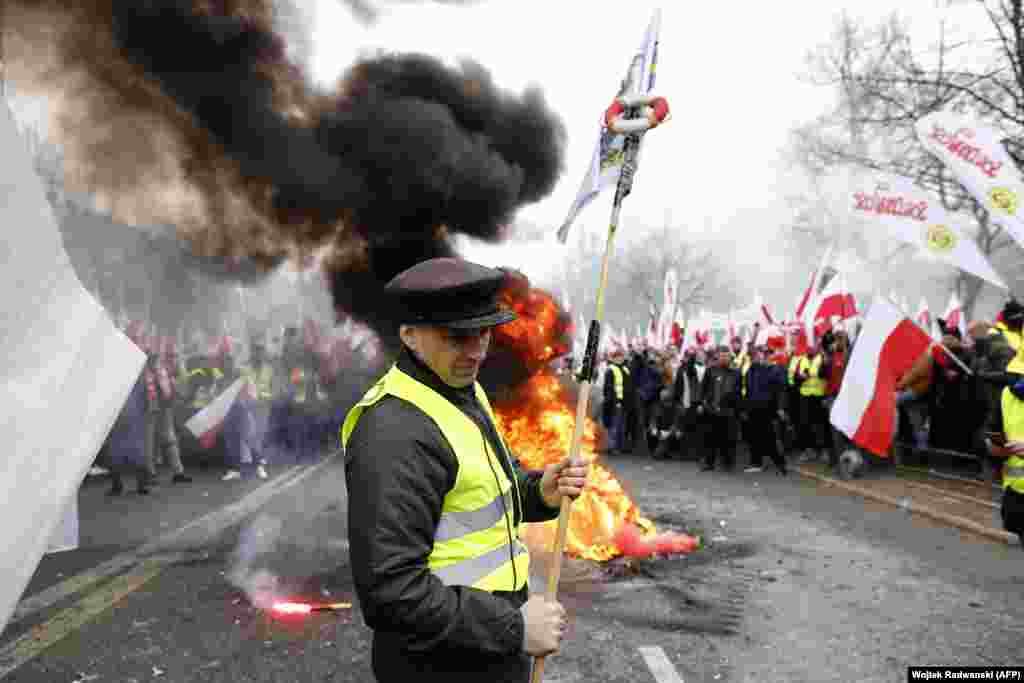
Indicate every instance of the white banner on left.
{"type": "Point", "coordinates": [65, 536]}
{"type": "Point", "coordinates": [67, 372]}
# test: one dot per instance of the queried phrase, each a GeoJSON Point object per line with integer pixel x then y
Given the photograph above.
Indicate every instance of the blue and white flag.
{"type": "Point", "coordinates": [606, 162]}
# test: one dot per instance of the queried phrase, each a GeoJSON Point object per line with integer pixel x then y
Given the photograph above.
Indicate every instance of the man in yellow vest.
{"type": "Point", "coordinates": [436, 500]}
{"type": "Point", "coordinates": [1006, 440]}
{"type": "Point", "coordinates": [812, 375]}
{"type": "Point", "coordinates": [1010, 324]}
{"type": "Point", "coordinates": [616, 389]}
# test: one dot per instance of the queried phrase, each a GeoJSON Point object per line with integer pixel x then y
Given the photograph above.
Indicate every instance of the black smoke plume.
{"type": "Point", "coordinates": [191, 112]}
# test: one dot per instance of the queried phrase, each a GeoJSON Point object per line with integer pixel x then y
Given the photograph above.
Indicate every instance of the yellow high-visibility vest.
{"type": "Point", "coordinates": [619, 375]}
{"type": "Point", "coordinates": [744, 368]}
{"type": "Point", "coordinates": [203, 396]}
{"type": "Point", "coordinates": [813, 385]}
{"type": "Point", "coordinates": [471, 543]}
{"type": "Point", "coordinates": [260, 380]}
{"type": "Point", "coordinates": [794, 365]}
{"type": "Point", "coordinates": [1013, 426]}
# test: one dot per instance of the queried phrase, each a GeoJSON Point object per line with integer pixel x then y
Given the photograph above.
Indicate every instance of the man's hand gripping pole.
{"type": "Point", "coordinates": [632, 115]}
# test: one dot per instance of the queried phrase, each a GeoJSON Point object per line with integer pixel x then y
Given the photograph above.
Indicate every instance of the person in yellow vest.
{"type": "Point", "coordinates": [436, 499]}
{"type": "Point", "coordinates": [616, 389]}
{"type": "Point", "coordinates": [1010, 324]}
{"type": "Point", "coordinates": [812, 375]}
{"type": "Point", "coordinates": [1006, 440]}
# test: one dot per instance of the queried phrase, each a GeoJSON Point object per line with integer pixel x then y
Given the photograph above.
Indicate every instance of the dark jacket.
{"type": "Point", "coordinates": [720, 391]}
{"type": "Point", "coordinates": [647, 380]}
{"type": "Point", "coordinates": [766, 385]}
{"type": "Point", "coordinates": [686, 376]}
{"type": "Point", "coordinates": [399, 467]}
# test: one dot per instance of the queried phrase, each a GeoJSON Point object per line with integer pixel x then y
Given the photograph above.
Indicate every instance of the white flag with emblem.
{"type": "Point", "coordinates": [976, 156]}
{"type": "Point", "coordinates": [914, 217]}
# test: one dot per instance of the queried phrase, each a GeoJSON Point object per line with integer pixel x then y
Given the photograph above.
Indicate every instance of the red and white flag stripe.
{"type": "Point", "coordinates": [887, 347]}
{"type": "Point", "coordinates": [208, 420]}
{"type": "Point", "coordinates": [954, 316]}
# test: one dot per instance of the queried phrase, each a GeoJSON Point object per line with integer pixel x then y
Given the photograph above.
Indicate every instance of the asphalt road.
{"type": "Point", "coordinates": [797, 583]}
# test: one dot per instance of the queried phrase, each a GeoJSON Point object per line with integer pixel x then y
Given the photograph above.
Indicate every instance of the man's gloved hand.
{"type": "Point", "coordinates": [543, 626]}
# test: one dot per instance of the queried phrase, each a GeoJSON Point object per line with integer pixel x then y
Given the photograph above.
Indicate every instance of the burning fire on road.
{"type": "Point", "coordinates": [537, 418]}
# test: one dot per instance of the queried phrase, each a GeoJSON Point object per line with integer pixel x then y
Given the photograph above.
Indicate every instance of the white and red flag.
{"type": "Point", "coordinates": [923, 317]}
{"type": "Point", "coordinates": [207, 423]}
{"type": "Point", "coordinates": [808, 307]}
{"type": "Point", "coordinates": [764, 310]}
{"type": "Point", "coordinates": [887, 347]}
{"type": "Point", "coordinates": [954, 316]}
{"type": "Point", "coordinates": [834, 304]}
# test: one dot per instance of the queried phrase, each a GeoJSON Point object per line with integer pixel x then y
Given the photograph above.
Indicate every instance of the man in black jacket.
{"type": "Point", "coordinates": [436, 499]}
{"type": "Point", "coordinates": [766, 386]}
{"type": "Point", "coordinates": [720, 398]}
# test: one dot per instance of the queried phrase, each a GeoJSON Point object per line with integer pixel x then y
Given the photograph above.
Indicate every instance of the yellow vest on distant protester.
{"type": "Point", "coordinates": [619, 375]}
{"type": "Point", "coordinates": [471, 542]}
{"type": "Point", "coordinates": [1013, 426]}
{"type": "Point", "coordinates": [813, 385]}
{"type": "Point", "coordinates": [794, 365]}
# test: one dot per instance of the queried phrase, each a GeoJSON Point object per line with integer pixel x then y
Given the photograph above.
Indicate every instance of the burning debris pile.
{"type": "Point", "coordinates": [537, 417]}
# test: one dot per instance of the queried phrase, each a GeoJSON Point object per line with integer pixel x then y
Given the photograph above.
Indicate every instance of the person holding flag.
{"type": "Point", "coordinates": [439, 570]}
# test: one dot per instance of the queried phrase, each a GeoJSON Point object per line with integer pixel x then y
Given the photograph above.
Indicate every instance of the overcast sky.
{"type": "Point", "coordinates": [729, 70]}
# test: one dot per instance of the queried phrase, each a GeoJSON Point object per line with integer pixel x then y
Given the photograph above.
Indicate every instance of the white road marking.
{"type": "Point", "coordinates": [660, 666]}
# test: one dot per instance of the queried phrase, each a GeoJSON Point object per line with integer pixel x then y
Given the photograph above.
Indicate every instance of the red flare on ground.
{"type": "Point", "coordinates": [631, 543]}
{"type": "Point", "coordinates": [305, 608]}
{"type": "Point", "coordinates": [291, 608]}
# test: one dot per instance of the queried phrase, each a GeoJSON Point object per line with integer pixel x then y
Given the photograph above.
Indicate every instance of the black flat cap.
{"type": "Point", "coordinates": [450, 292]}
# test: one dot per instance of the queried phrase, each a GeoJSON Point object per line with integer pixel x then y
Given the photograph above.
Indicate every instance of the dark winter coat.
{"type": "Point", "coordinates": [399, 467]}
{"type": "Point", "coordinates": [766, 385]}
{"type": "Point", "coordinates": [648, 381]}
{"type": "Point", "coordinates": [720, 391]}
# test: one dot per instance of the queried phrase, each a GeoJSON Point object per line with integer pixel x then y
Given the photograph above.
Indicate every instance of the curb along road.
{"type": "Point", "coordinates": [914, 508]}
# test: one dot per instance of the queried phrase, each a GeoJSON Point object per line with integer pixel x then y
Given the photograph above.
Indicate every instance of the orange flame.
{"type": "Point", "coordinates": [538, 427]}
{"type": "Point", "coordinates": [538, 423]}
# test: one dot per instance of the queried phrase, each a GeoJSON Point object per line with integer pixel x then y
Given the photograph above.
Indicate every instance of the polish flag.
{"type": "Point", "coordinates": [865, 409]}
{"type": "Point", "coordinates": [924, 315]}
{"type": "Point", "coordinates": [207, 423]}
{"type": "Point", "coordinates": [807, 295]}
{"type": "Point", "coordinates": [835, 303]}
{"type": "Point", "coordinates": [954, 316]}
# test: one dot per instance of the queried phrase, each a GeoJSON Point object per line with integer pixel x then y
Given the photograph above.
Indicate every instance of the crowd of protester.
{"type": "Point", "coordinates": [287, 410]}
{"type": "Point", "coordinates": [706, 402]}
